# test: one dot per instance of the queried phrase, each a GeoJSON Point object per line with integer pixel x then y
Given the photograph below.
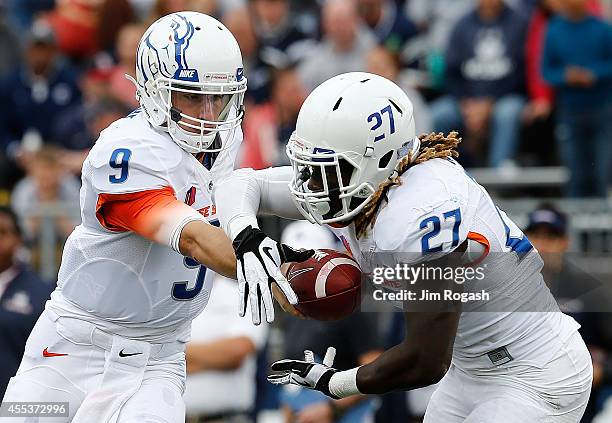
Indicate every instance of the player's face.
{"type": "Point", "coordinates": [315, 183]}
{"type": "Point", "coordinates": [200, 106]}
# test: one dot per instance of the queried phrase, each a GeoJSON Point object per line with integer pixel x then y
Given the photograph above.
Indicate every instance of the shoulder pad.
{"type": "Point", "coordinates": [121, 162]}
{"type": "Point", "coordinates": [426, 213]}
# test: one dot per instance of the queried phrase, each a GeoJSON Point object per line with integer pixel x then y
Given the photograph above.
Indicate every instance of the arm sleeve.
{"type": "Point", "coordinates": [153, 214]}
{"type": "Point", "coordinates": [246, 193]}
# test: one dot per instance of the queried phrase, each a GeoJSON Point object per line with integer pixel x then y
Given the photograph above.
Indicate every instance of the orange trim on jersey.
{"type": "Point", "coordinates": [140, 212]}
{"type": "Point", "coordinates": [482, 240]}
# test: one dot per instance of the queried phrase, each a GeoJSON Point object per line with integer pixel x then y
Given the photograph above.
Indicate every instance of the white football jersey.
{"type": "Point", "coordinates": [120, 281]}
{"type": "Point", "coordinates": [435, 209]}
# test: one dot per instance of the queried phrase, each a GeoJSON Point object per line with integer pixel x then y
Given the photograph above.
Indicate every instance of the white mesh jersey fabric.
{"type": "Point", "coordinates": [120, 281]}
{"type": "Point", "coordinates": [521, 312]}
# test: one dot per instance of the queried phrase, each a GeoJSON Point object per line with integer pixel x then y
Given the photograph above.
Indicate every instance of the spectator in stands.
{"type": "Point", "coordinates": [221, 360]}
{"type": "Point", "coordinates": [388, 22]}
{"type": "Point", "coordinates": [22, 298]}
{"type": "Point", "coordinates": [485, 80]}
{"type": "Point", "coordinates": [267, 127]}
{"type": "Point", "coordinates": [81, 129]}
{"type": "Point", "coordinates": [10, 53]}
{"type": "Point", "coordinates": [281, 43]}
{"type": "Point", "coordinates": [276, 28]}
{"type": "Point", "coordinates": [39, 92]}
{"type": "Point", "coordinates": [164, 7]}
{"type": "Point", "coordinates": [239, 22]}
{"type": "Point", "coordinates": [48, 187]}
{"type": "Point", "coordinates": [384, 63]}
{"type": "Point", "coordinates": [356, 337]}
{"type": "Point", "coordinates": [113, 16]}
{"type": "Point", "coordinates": [10, 56]}
{"type": "Point", "coordinates": [579, 294]}
{"type": "Point", "coordinates": [541, 94]}
{"type": "Point", "coordinates": [142, 8]}
{"type": "Point", "coordinates": [434, 20]}
{"type": "Point", "coordinates": [577, 62]}
{"type": "Point", "coordinates": [120, 87]}
{"type": "Point", "coordinates": [76, 24]}
{"type": "Point", "coordinates": [22, 13]}
{"type": "Point", "coordinates": [345, 43]}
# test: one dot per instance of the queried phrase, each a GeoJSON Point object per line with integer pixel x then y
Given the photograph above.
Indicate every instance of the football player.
{"type": "Point", "coordinates": [357, 166]}
{"type": "Point", "coordinates": [111, 340]}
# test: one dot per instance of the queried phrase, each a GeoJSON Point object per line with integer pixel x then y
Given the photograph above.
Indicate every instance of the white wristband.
{"type": "Point", "coordinates": [175, 234]}
{"type": "Point", "coordinates": [344, 384]}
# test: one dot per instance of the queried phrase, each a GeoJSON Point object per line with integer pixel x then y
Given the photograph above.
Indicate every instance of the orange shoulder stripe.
{"type": "Point", "coordinates": [136, 212]}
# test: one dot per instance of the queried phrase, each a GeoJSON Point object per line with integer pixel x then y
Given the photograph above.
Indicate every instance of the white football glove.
{"type": "Point", "coordinates": [307, 373]}
{"type": "Point", "coordinates": [259, 260]}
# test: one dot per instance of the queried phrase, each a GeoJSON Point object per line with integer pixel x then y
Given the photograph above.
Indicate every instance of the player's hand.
{"type": "Point", "coordinates": [282, 301]}
{"type": "Point", "coordinates": [259, 260]}
{"type": "Point", "coordinates": [306, 373]}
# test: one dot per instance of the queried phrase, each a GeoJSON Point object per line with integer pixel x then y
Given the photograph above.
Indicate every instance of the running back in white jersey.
{"type": "Point", "coordinates": [435, 209]}
{"type": "Point", "coordinates": [120, 281]}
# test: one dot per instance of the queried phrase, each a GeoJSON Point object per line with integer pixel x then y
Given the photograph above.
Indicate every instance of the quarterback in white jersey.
{"type": "Point", "coordinates": [111, 340]}
{"type": "Point", "coordinates": [395, 198]}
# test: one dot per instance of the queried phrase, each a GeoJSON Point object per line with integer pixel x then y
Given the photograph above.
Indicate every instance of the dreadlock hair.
{"type": "Point", "coordinates": [433, 146]}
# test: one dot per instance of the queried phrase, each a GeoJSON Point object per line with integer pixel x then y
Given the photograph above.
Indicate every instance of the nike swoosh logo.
{"type": "Point", "coordinates": [51, 354]}
{"type": "Point", "coordinates": [268, 253]}
{"type": "Point", "coordinates": [298, 272]}
{"type": "Point", "coordinates": [122, 354]}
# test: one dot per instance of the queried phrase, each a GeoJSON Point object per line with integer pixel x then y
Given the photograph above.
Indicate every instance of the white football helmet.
{"type": "Point", "coordinates": [190, 52]}
{"type": "Point", "coordinates": [351, 132]}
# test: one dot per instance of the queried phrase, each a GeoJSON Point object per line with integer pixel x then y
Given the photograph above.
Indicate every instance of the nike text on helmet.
{"type": "Point", "coordinates": [193, 54]}
{"type": "Point", "coordinates": [350, 135]}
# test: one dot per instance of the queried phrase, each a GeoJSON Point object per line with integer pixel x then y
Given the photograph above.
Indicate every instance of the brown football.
{"type": "Point", "coordinates": [328, 285]}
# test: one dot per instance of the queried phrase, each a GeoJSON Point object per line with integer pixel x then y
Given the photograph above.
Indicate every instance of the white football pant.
{"type": "Point", "coordinates": [103, 378]}
{"type": "Point", "coordinates": [556, 393]}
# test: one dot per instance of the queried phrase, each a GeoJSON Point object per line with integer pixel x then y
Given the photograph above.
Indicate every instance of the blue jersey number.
{"type": "Point", "coordinates": [515, 238]}
{"type": "Point", "coordinates": [180, 291]}
{"type": "Point", "coordinates": [434, 221]}
{"type": "Point", "coordinates": [377, 118]}
{"type": "Point", "coordinates": [119, 160]}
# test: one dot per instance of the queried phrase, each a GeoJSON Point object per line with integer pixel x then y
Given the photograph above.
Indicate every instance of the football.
{"type": "Point", "coordinates": [328, 285]}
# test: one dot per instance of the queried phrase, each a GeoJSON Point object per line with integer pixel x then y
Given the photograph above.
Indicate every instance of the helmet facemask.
{"type": "Point", "coordinates": [195, 133]}
{"type": "Point", "coordinates": [324, 184]}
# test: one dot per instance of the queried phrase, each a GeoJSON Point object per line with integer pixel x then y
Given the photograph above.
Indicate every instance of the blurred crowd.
{"type": "Point", "coordinates": [526, 82]}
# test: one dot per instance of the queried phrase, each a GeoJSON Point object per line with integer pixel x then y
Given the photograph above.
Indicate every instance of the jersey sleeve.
{"type": "Point", "coordinates": [131, 165]}
{"type": "Point", "coordinates": [153, 214]}
{"type": "Point", "coordinates": [427, 217]}
{"type": "Point", "coordinates": [246, 193]}
{"type": "Point", "coordinates": [133, 189]}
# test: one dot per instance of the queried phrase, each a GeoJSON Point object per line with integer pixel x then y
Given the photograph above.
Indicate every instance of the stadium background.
{"type": "Point", "coordinates": [61, 82]}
